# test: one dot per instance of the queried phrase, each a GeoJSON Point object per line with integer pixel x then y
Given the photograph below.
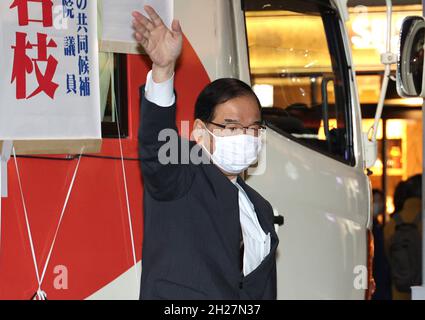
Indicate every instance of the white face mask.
{"type": "Point", "coordinates": [234, 154]}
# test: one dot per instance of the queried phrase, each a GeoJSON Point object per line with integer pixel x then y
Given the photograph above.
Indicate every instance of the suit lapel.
{"type": "Point", "coordinates": [262, 210]}
{"type": "Point", "coordinates": [225, 211]}
{"type": "Point", "coordinates": [259, 205]}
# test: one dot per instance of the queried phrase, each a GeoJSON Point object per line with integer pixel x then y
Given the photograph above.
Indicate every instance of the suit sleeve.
{"type": "Point", "coordinates": [168, 181]}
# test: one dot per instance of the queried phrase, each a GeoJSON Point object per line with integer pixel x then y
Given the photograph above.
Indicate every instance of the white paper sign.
{"type": "Point", "coordinates": [118, 33]}
{"type": "Point", "coordinates": [49, 76]}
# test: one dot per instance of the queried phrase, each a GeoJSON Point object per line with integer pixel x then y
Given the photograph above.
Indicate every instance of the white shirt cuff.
{"type": "Point", "coordinates": [162, 94]}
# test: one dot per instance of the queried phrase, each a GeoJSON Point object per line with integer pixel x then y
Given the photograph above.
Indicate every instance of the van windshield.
{"type": "Point", "coordinates": [299, 72]}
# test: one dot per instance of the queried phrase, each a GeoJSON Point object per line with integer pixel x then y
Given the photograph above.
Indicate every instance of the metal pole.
{"type": "Point", "coordinates": [384, 164]}
{"type": "Point", "coordinates": [418, 293]}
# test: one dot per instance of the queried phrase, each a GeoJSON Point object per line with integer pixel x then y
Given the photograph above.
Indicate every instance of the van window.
{"type": "Point", "coordinates": [300, 73]}
{"type": "Point", "coordinates": [113, 94]}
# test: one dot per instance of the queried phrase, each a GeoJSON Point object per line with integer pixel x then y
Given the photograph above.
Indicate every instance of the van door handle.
{"type": "Point", "coordinates": [279, 220]}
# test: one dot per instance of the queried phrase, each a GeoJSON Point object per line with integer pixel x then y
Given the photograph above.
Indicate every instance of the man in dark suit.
{"type": "Point", "coordinates": [207, 234]}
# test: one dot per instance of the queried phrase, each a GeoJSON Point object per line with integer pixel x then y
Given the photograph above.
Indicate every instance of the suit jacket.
{"type": "Point", "coordinates": [191, 224]}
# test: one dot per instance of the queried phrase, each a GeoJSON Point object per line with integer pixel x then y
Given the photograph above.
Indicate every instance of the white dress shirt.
{"type": "Point", "coordinates": [256, 242]}
{"type": "Point", "coordinates": [162, 94]}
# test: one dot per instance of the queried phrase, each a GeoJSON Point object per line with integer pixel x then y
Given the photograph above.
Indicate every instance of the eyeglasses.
{"type": "Point", "coordinates": [237, 128]}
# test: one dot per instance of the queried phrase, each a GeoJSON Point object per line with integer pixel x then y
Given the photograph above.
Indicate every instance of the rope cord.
{"type": "Point", "coordinates": [41, 295]}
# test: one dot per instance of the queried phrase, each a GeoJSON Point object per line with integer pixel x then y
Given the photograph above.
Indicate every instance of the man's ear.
{"type": "Point", "coordinates": [198, 131]}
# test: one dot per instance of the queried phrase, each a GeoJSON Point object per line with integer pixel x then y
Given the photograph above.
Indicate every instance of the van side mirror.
{"type": "Point", "coordinates": [410, 64]}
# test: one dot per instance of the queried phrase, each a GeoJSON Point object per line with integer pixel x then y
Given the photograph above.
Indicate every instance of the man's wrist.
{"type": "Point", "coordinates": [161, 74]}
{"type": "Point", "coordinates": [160, 93]}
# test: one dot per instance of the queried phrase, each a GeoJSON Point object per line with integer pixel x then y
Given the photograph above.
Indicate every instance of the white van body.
{"type": "Point", "coordinates": [325, 202]}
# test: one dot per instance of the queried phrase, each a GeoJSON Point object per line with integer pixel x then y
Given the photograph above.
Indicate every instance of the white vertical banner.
{"type": "Point", "coordinates": [49, 75]}
{"type": "Point", "coordinates": [118, 32]}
